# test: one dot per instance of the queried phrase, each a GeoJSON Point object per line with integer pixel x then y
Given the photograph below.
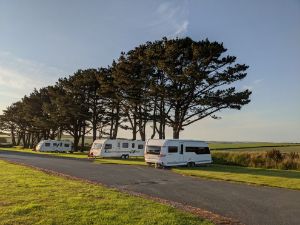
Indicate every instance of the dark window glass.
{"type": "Point", "coordinates": [181, 149]}
{"type": "Point", "coordinates": [153, 150]}
{"type": "Point", "coordinates": [132, 145]}
{"type": "Point", "coordinates": [172, 149]}
{"type": "Point", "coordinates": [67, 145]}
{"type": "Point", "coordinates": [198, 150]}
{"type": "Point", "coordinates": [47, 144]}
{"type": "Point", "coordinates": [108, 146]}
{"type": "Point", "coordinates": [125, 145]}
{"type": "Point", "coordinates": [140, 146]}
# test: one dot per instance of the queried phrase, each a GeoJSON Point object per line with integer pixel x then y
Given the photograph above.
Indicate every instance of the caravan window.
{"type": "Point", "coordinates": [125, 145]}
{"type": "Point", "coordinates": [153, 150]}
{"type": "Point", "coordinates": [67, 145]}
{"type": "Point", "coordinates": [132, 145]}
{"type": "Point", "coordinates": [140, 146]}
{"type": "Point", "coordinates": [108, 146]}
{"type": "Point", "coordinates": [172, 149]}
{"type": "Point", "coordinates": [54, 144]}
{"type": "Point", "coordinates": [198, 150]}
{"type": "Point", "coordinates": [47, 144]}
{"type": "Point", "coordinates": [95, 146]}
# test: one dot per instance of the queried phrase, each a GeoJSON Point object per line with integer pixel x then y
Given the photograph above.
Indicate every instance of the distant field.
{"type": "Point", "coordinates": [254, 146]}
{"type": "Point", "coordinates": [30, 196]}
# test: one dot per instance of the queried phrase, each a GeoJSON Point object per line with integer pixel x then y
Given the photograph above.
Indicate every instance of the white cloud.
{"type": "Point", "coordinates": [171, 18]}
{"type": "Point", "coordinates": [257, 81]}
{"type": "Point", "coordinates": [20, 76]}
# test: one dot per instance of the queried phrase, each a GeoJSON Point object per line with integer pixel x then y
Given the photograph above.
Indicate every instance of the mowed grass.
{"type": "Point", "coordinates": [84, 155]}
{"type": "Point", "coordinates": [30, 196]}
{"type": "Point", "coordinates": [268, 177]}
{"type": "Point", "coordinates": [80, 155]}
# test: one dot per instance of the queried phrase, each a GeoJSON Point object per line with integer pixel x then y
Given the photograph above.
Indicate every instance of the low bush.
{"type": "Point", "coordinates": [272, 159]}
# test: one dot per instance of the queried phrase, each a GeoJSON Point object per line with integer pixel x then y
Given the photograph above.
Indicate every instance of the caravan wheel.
{"type": "Point", "coordinates": [191, 164]}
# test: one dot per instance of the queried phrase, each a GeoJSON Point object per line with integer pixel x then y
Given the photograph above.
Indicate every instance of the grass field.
{"type": "Point", "coordinates": [267, 177]}
{"type": "Point", "coordinates": [29, 196]}
{"type": "Point", "coordinates": [83, 155]}
{"type": "Point", "coordinates": [253, 146]}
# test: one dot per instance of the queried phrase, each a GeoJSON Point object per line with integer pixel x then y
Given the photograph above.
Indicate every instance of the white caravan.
{"type": "Point", "coordinates": [54, 146]}
{"type": "Point", "coordinates": [117, 148]}
{"type": "Point", "coordinates": [174, 152]}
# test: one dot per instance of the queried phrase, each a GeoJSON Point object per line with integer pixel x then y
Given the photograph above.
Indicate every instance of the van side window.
{"type": "Point", "coordinates": [125, 145]}
{"type": "Point", "coordinates": [108, 146]}
{"type": "Point", "coordinates": [54, 144]}
{"type": "Point", "coordinates": [140, 146]}
{"type": "Point", "coordinates": [172, 149]}
{"type": "Point", "coordinates": [181, 149]}
{"type": "Point", "coordinates": [132, 145]}
{"type": "Point", "coordinates": [198, 150]}
{"type": "Point", "coordinates": [47, 144]}
{"type": "Point", "coordinates": [67, 145]}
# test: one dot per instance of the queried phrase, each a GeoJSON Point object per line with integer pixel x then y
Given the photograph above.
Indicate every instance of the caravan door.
{"type": "Point", "coordinates": [181, 158]}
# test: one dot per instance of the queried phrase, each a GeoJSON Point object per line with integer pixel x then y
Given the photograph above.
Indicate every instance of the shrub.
{"type": "Point", "coordinates": [3, 140]}
{"type": "Point", "coordinates": [273, 159]}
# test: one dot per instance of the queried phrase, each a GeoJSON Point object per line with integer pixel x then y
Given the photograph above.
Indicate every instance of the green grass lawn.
{"type": "Point", "coordinates": [268, 177]}
{"type": "Point", "coordinates": [82, 155]}
{"type": "Point", "coordinates": [30, 196]}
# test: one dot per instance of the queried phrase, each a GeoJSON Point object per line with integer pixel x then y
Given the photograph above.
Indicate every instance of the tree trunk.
{"type": "Point", "coordinates": [175, 133]}
{"type": "Point", "coordinates": [115, 131]}
{"type": "Point", "coordinates": [94, 129]}
{"type": "Point", "coordinates": [82, 138]}
{"type": "Point", "coordinates": [13, 138]}
{"type": "Point", "coordinates": [76, 141]}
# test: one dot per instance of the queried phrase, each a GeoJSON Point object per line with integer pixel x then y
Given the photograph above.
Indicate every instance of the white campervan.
{"type": "Point", "coordinates": [54, 146]}
{"type": "Point", "coordinates": [117, 148]}
{"type": "Point", "coordinates": [174, 152]}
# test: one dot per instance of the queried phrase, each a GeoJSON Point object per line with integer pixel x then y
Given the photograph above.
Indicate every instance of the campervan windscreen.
{"type": "Point", "coordinates": [97, 146]}
{"type": "Point", "coordinates": [153, 150]}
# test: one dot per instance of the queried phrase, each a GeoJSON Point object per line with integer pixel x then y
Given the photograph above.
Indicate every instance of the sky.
{"type": "Point", "coordinates": [41, 41]}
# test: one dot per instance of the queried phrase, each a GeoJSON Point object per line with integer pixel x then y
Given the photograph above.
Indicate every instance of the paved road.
{"type": "Point", "coordinates": [246, 203]}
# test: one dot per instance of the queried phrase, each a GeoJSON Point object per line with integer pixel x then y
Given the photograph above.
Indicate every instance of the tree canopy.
{"type": "Point", "coordinates": [169, 82]}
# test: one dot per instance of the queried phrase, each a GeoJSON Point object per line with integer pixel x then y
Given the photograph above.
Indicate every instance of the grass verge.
{"type": "Point", "coordinates": [30, 196]}
{"type": "Point", "coordinates": [268, 177]}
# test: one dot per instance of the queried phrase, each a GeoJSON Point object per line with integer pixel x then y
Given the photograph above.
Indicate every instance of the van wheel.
{"type": "Point", "coordinates": [191, 164]}
{"type": "Point", "coordinates": [122, 156]}
{"type": "Point", "coordinates": [127, 157]}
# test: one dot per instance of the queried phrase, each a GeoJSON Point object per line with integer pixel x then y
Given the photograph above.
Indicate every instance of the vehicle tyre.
{"type": "Point", "coordinates": [191, 164]}
{"type": "Point", "coordinates": [157, 166]}
{"type": "Point", "coordinates": [122, 156]}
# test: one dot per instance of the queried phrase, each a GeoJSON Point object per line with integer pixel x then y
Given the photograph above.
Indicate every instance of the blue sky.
{"type": "Point", "coordinates": [41, 41]}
